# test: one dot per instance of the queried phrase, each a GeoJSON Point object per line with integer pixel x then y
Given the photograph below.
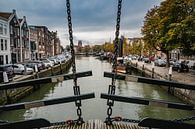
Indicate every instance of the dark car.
{"type": "Point", "coordinates": [180, 67]}
{"type": "Point", "coordinates": [8, 69]}
{"type": "Point", "coordinates": [146, 60]}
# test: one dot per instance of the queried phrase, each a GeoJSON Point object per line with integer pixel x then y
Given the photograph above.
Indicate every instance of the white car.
{"type": "Point", "coordinates": [48, 63]}
{"type": "Point", "coordinates": [20, 69]}
{"type": "Point", "coordinates": [191, 64]}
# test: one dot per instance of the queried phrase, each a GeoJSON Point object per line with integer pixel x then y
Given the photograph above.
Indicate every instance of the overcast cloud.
{"type": "Point", "coordinates": [93, 20]}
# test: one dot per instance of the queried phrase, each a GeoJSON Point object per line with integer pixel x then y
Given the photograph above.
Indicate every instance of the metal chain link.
{"type": "Point", "coordinates": [112, 87]}
{"type": "Point", "coordinates": [116, 41]}
{"type": "Point", "coordinates": [185, 119]}
{"type": "Point", "coordinates": [76, 88]}
{"type": "Point", "coordinates": [120, 119]}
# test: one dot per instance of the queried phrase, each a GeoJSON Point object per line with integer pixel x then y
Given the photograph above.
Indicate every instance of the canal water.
{"type": "Point", "coordinates": [96, 108]}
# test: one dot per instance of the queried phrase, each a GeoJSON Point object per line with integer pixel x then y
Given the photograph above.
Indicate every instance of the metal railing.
{"type": "Point", "coordinates": [150, 122]}
{"type": "Point", "coordinates": [38, 123]}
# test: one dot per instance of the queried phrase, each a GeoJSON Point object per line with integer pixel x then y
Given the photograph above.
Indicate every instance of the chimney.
{"type": "Point", "coordinates": [24, 17]}
{"type": "Point", "coordinates": [14, 11]}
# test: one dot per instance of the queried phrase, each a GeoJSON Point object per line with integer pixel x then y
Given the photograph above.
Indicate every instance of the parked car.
{"type": "Point", "coordinates": [48, 63]}
{"type": "Point", "coordinates": [8, 69]}
{"type": "Point", "coordinates": [180, 66]}
{"type": "Point", "coordinates": [32, 65]}
{"type": "Point", "coordinates": [54, 60]}
{"type": "Point", "coordinates": [40, 64]}
{"type": "Point", "coordinates": [20, 69]}
{"type": "Point", "coordinates": [191, 64]}
{"type": "Point", "coordinates": [160, 62]}
{"type": "Point", "coordinates": [146, 60]}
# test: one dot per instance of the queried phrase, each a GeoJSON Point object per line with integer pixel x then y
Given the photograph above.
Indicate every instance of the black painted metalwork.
{"type": "Point", "coordinates": [40, 103]}
{"type": "Point", "coordinates": [151, 102]}
{"type": "Point", "coordinates": [76, 88]}
{"type": "Point", "coordinates": [150, 81]}
{"type": "Point", "coordinates": [44, 80]}
{"type": "Point", "coordinates": [164, 124]}
{"type": "Point", "coordinates": [26, 124]}
{"type": "Point", "coordinates": [112, 87]}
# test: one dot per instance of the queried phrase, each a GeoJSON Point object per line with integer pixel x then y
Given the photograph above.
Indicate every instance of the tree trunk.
{"type": "Point", "coordinates": [168, 63]}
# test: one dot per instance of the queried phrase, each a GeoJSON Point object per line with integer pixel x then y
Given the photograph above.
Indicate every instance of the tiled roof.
{"type": "Point", "coordinates": [5, 15]}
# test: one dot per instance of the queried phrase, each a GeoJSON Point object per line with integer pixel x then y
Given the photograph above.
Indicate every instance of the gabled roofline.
{"type": "Point", "coordinates": [13, 14]}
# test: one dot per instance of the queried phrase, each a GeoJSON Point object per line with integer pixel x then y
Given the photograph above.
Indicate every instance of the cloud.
{"type": "Point", "coordinates": [93, 20]}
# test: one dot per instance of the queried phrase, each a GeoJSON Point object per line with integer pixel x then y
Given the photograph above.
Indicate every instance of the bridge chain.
{"type": "Point", "coordinates": [76, 88]}
{"type": "Point", "coordinates": [112, 87]}
{"type": "Point", "coordinates": [120, 119]}
{"type": "Point", "coordinates": [185, 119]}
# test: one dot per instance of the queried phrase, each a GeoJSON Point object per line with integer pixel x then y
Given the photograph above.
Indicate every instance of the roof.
{"type": "Point", "coordinates": [5, 15]}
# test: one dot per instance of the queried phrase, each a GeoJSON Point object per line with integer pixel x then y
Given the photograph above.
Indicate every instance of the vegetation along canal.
{"type": "Point", "coordinates": [96, 108]}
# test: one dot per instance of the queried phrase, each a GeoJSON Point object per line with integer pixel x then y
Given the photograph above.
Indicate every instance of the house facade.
{"type": "Point", "coordinates": [15, 38]}
{"type": "Point", "coordinates": [24, 40]}
{"type": "Point", "coordinates": [5, 55]}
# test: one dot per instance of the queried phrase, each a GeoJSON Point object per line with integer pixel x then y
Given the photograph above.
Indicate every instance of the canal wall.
{"type": "Point", "coordinates": [13, 95]}
{"type": "Point", "coordinates": [187, 96]}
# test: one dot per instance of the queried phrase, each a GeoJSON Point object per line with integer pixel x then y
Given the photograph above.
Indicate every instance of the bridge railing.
{"type": "Point", "coordinates": [150, 122]}
{"type": "Point", "coordinates": [40, 103]}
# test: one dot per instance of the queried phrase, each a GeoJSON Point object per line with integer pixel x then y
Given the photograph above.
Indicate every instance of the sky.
{"type": "Point", "coordinates": [93, 21]}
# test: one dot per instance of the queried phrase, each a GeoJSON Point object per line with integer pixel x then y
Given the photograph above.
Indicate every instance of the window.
{"type": "Point", "coordinates": [6, 58]}
{"type": "Point", "coordinates": [2, 44]}
{"type": "Point", "coordinates": [5, 29]}
{"type": "Point", "coordinates": [1, 59]}
{"type": "Point", "coordinates": [1, 28]}
{"type": "Point", "coordinates": [5, 44]}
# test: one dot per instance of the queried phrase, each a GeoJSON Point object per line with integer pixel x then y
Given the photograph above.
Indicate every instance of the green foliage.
{"type": "Point", "coordinates": [97, 48]}
{"type": "Point", "coordinates": [170, 26]}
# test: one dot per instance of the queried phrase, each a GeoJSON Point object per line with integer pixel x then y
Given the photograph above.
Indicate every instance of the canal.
{"type": "Point", "coordinates": [96, 108]}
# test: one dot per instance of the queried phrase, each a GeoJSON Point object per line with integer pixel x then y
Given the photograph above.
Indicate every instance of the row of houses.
{"type": "Point", "coordinates": [20, 41]}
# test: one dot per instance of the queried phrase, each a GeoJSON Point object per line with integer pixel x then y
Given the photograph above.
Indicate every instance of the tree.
{"type": "Point", "coordinates": [97, 48]}
{"type": "Point", "coordinates": [108, 47]}
{"type": "Point", "coordinates": [170, 26]}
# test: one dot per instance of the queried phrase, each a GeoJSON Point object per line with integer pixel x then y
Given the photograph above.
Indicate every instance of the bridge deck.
{"type": "Point", "coordinates": [96, 124]}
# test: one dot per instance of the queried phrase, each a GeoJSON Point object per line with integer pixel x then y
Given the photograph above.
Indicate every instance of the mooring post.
{"type": "Point", "coordinates": [152, 69]}
{"type": "Point", "coordinates": [143, 68]}
{"type": "Point", "coordinates": [61, 67]}
{"type": "Point", "coordinates": [36, 71]}
{"type": "Point", "coordinates": [52, 73]}
{"type": "Point", "coordinates": [170, 75]}
{"type": "Point", "coordinates": [37, 76]}
{"type": "Point", "coordinates": [6, 80]}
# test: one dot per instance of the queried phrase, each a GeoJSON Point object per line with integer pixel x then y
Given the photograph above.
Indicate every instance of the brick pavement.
{"type": "Point", "coordinates": [163, 71]}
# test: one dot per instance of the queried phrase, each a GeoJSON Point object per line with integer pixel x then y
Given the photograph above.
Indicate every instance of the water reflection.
{"type": "Point", "coordinates": [96, 108]}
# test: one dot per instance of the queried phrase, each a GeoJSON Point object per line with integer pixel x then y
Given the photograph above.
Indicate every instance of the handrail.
{"type": "Point", "coordinates": [166, 83]}
{"type": "Point", "coordinates": [30, 124]}
{"type": "Point", "coordinates": [164, 124]}
{"type": "Point", "coordinates": [52, 79]}
{"type": "Point", "coordinates": [151, 102]}
{"type": "Point", "coordinates": [40, 103]}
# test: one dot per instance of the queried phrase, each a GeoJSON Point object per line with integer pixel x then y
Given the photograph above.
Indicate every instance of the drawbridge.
{"type": "Point", "coordinates": [110, 121]}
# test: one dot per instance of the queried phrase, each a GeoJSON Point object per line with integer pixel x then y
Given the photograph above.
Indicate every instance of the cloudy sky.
{"type": "Point", "coordinates": [93, 20]}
